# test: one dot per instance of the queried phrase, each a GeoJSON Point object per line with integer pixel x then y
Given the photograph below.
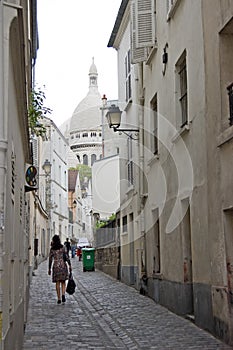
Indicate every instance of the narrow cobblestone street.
{"type": "Point", "coordinates": [105, 314]}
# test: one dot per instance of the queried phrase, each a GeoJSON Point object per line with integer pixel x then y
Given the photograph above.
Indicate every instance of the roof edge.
{"type": "Point", "coordinates": [117, 24]}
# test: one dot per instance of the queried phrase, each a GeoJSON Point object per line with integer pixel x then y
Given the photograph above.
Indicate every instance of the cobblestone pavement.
{"type": "Point", "coordinates": [105, 314]}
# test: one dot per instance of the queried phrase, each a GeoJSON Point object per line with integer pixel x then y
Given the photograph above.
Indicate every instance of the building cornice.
{"type": "Point", "coordinates": [120, 25]}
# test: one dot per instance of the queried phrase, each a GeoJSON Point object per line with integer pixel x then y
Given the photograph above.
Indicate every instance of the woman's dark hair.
{"type": "Point", "coordinates": [56, 242]}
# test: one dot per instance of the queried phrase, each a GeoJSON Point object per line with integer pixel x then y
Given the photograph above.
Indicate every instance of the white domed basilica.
{"type": "Point", "coordinates": [85, 136]}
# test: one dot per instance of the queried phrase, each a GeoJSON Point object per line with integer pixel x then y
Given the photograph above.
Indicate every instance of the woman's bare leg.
{"type": "Point", "coordinates": [63, 287]}
{"type": "Point", "coordinates": [58, 290]}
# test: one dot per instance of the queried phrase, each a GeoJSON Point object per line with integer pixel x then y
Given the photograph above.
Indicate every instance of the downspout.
{"type": "Point", "coordinates": [3, 165]}
{"type": "Point", "coordinates": [141, 165]}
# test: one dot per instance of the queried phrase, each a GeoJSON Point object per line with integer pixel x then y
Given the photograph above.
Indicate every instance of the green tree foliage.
{"type": "Point", "coordinates": [84, 171]}
{"type": "Point", "coordinates": [37, 111]}
{"type": "Point", "coordinates": [102, 223]}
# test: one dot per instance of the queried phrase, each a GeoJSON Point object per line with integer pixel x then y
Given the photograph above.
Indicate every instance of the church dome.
{"type": "Point", "coordinates": [86, 115]}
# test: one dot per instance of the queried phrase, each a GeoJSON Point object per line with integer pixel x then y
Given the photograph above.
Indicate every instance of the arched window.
{"type": "Point", "coordinates": [93, 158]}
{"type": "Point", "coordinates": [85, 159]}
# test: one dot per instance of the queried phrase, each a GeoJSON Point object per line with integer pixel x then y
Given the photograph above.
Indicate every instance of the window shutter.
{"type": "Point", "coordinates": [145, 23]}
{"type": "Point", "coordinates": [137, 54]}
{"type": "Point", "coordinates": [35, 151]}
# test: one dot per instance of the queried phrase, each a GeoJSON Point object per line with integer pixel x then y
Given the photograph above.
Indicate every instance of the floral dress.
{"type": "Point", "coordinates": [60, 269]}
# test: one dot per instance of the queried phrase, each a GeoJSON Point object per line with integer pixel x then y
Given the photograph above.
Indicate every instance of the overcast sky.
{"type": "Point", "coordinates": [71, 32]}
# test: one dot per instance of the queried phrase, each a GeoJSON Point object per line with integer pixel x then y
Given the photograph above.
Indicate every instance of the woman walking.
{"type": "Point", "coordinates": [59, 258]}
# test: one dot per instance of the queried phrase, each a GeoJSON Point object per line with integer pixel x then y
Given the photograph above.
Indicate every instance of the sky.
{"type": "Point", "coordinates": [71, 32]}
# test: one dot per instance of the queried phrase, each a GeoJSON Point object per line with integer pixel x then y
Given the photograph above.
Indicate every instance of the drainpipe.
{"type": "Point", "coordinates": [3, 150]}
{"type": "Point", "coordinates": [141, 163]}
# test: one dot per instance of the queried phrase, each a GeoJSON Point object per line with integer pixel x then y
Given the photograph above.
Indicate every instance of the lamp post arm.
{"type": "Point", "coordinates": [126, 132]}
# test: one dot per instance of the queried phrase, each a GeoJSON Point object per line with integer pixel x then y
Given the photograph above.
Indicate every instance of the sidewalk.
{"type": "Point", "coordinates": [105, 314]}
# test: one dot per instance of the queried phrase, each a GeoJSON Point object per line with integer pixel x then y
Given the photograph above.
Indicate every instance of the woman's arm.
{"type": "Point", "coordinates": [50, 261]}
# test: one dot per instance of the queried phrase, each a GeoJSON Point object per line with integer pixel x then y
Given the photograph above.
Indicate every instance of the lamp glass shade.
{"type": "Point", "coordinates": [47, 166]}
{"type": "Point", "coordinates": [114, 117]}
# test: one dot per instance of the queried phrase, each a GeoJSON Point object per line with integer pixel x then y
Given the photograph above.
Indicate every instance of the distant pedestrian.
{"type": "Point", "coordinates": [58, 260]}
{"type": "Point", "coordinates": [67, 245]}
{"type": "Point", "coordinates": [73, 249]}
{"type": "Point", "coordinates": [79, 254]}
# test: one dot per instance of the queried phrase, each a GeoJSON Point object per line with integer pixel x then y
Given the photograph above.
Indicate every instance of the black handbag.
{"type": "Point", "coordinates": [70, 288]}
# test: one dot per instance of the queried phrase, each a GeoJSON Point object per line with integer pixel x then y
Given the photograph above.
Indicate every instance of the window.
{"type": "Point", "coordinates": [128, 77]}
{"type": "Point", "coordinates": [93, 158]}
{"type": "Point", "coordinates": [85, 134]}
{"type": "Point", "coordinates": [230, 94]}
{"type": "Point", "coordinates": [182, 90]}
{"type": "Point", "coordinates": [154, 125]}
{"type": "Point", "coordinates": [130, 164]}
{"type": "Point", "coordinates": [156, 248]}
{"type": "Point", "coordinates": [85, 159]}
{"type": "Point", "coordinates": [125, 224]}
{"type": "Point", "coordinates": [228, 231]}
{"type": "Point", "coordinates": [12, 174]}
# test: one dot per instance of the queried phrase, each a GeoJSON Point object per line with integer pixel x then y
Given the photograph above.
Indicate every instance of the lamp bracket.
{"type": "Point", "coordinates": [126, 132]}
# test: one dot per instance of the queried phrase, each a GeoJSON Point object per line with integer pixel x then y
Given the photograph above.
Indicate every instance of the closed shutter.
{"type": "Point", "coordinates": [137, 54]}
{"type": "Point", "coordinates": [145, 23]}
{"type": "Point", "coordinates": [35, 151]}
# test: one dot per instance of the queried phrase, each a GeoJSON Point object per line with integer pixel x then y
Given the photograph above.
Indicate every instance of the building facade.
{"type": "Point", "coordinates": [54, 150]}
{"type": "Point", "coordinates": [75, 205]}
{"type": "Point", "coordinates": [179, 213]}
{"type": "Point", "coordinates": [18, 45]}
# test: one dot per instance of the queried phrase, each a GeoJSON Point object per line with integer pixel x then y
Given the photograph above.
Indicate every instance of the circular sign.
{"type": "Point", "coordinates": [31, 176]}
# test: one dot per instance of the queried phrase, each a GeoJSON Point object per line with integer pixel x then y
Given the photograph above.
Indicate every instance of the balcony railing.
{"type": "Point", "coordinates": [230, 93]}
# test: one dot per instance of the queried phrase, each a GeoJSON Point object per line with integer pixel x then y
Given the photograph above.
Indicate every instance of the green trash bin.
{"type": "Point", "coordinates": [88, 257]}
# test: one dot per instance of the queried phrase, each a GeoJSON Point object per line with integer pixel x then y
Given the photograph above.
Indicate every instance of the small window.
{"type": "Point", "coordinates": [127, 77]}
{"type": "Point", "coordinates": [124, 224]}
{"type": "Point", "coordinates": [130, 164]}
{"type": "Point", "coordinates": [85, 159]}
{"type": "Point", "coordinates": [230, 94]}
{"type": "Point", "coordinates": [182, 89]}
{"type": "Point", "coordinates": [12, 174]}
{"type": "Point", "coordinates": [154, 125]}
{"type": "Point", "coordinates": [93, 159]}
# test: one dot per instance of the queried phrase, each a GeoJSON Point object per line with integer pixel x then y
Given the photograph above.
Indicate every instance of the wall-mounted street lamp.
{"type": "Point", "coordinates": [47, 167]}
{"type": "Point", "coordinates": [114, 121]}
